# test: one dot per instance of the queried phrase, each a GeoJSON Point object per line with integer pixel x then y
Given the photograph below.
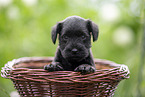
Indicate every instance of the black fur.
{"type": "Point", "coordinates": [74, 53]}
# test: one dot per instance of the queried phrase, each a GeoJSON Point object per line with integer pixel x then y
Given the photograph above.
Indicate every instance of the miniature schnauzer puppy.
{"type": "Point", "coordinates": [73, 52]}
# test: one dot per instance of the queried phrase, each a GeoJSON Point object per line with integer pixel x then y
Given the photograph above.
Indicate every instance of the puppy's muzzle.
{"type": "Point", "coordinates": [74, 51]}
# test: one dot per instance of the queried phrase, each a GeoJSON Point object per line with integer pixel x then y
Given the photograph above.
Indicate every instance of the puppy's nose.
{"type": "Point", "coordinates": [74, 51]}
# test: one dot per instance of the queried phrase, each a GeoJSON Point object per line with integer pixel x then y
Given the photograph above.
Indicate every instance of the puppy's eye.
{"type": "Point", "coordinates": [83, 37]}
{"type": "Point", "coordinates": [65, 37]}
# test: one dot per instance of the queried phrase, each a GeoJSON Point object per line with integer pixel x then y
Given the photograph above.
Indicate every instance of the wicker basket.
{"type": "Point", "coordinates": [30, 79]}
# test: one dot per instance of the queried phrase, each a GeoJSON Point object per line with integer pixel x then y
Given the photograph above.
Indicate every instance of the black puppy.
{"type": "Point", "coordinates": [73, 53]}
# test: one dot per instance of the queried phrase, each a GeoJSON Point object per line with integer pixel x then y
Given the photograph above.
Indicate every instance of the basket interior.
{"type": "Point", "coordinates": [41, 64]}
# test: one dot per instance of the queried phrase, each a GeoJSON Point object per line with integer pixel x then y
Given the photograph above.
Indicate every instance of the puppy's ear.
{"type": "Point", "coordinates": [56, 30]}
{"type": "Point", "coordinates": [93, 28]}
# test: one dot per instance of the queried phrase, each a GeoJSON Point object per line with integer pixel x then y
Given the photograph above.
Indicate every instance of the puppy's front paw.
{"type": "Point", "coordinates": [54, 66]}
{"type": "Point", "coordinates": [85, 69]}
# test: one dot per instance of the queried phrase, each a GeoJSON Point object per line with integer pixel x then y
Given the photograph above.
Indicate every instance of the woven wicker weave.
{"type": "Point", "coordinates": [30, 79]}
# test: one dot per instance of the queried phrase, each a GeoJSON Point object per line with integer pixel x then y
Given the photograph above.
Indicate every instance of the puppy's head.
{"type": "Point", "coordinates": [75, 37]}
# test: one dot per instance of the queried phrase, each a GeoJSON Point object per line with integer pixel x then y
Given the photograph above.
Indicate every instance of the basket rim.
{"type": "Point", "coordinates": [11, 64]}
{"type": "Point", "coordinates": [5, 72]}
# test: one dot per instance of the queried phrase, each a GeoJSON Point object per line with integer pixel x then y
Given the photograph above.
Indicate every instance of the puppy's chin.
{"type": "Point", "coordinates": [75, 58]}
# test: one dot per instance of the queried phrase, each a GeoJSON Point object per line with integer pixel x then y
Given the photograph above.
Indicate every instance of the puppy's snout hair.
{"type": "Point", "coordinates": [75, 47]}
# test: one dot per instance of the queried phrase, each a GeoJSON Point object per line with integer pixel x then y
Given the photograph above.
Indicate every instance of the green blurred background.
{"type": "Point", "coordinates": [25, 27]}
